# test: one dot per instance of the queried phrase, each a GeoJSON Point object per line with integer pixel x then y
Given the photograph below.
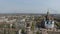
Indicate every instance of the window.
{"type": "Point", "coordinates": [51, 22]}
{"type": "Point", "coordinates": [47, 22]}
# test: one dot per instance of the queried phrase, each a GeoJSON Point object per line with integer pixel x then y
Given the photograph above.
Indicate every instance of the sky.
{"type": "Point", "coordinates": [29, 6]}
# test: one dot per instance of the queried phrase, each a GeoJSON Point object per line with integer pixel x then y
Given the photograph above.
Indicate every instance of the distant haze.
{"type": "Point", "coordinates": [30, 6]}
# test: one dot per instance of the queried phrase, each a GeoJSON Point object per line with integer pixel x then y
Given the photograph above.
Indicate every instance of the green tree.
{"type": "Point", "coordinates": [23, 31]}
{"type": "Point", "coordinates": [37, 32]}
{"type": "Point", "coordinates": [32, 27]}
{"type": "Point", "coordinates": [13, 26]}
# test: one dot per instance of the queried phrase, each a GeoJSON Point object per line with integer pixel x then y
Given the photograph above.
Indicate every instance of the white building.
{"type": "Point", "coordinates": [49, 24]}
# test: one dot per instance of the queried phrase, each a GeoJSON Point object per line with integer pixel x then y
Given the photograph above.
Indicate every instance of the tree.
{"type": "Point", "coordinates": [13, 26]}
{"type": "Point", "coordinates": [22, 31]}
{"type": "Point", "coordinates": [32, 27]}
{"type": "Point", "coordinates": [37, 32]}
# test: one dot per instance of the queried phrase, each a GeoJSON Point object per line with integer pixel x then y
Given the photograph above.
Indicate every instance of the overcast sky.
{"type": "Point", "coordinates": [29, 6]}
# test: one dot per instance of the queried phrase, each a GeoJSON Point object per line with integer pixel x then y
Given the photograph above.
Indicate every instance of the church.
{"type": "Point", "coordinates": [48, 21]}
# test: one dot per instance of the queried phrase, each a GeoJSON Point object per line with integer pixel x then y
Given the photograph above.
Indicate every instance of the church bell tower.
{"type": "Point", "coordinates": [49, 23]}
